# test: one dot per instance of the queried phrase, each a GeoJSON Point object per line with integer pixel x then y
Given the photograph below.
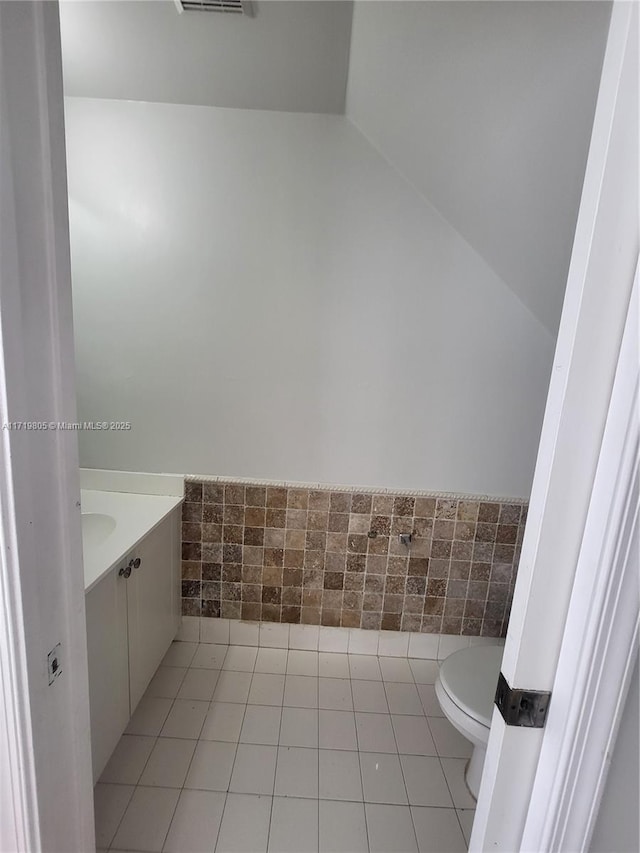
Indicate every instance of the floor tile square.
{"type": "Point", "coordinates": [466, 817]}
{"type": "Point", "coordinates": [438, 830]}
{"type": "Point", "coordinates": [430, 704]}
{"type": "Point", "coordinates": [448, 740]}
{"type": "Point", "coordinates": [301, 691]}
{"type": "Point", "coordinates": [146, 821]}
{"type": "Point", "coordinates": [413, 735]}
{"type": "Point", "coordinates": [211, 766]}
{"type": "Point", "coordinates": [425, 781]}
{"type": "Point", "coordinates": [179, 654]}
{"type": "Point", "coordinates": [363, 642]}
{"type": "Point", "coordinates": [199, 684]}
{"type": "Point", "coordinates": [110, 803]}
{"type": "Point", "coordinates": [369, 696]}
{"type": "Point", "coordinates": [128, 760]}
{"type": "Point", "coordinates": [254, 769]}
{"type": "Point", "coordinates": [149, 716]}
{"type": "Point", "coordinates": [390, 828]}
{"type": "Point", "coordinates": [196, 822]}
{"type": "Point", "coordinates": [403, 699]}
{"type": "Point", "coordinates": [185, 719]}
{"type": "Point", "coordinates": [261, 725]}
{"type": "Point", "coordinates": [333, 665]}
{"type": "Point", "coordinates": [166, 682]}
{"type": "Point", "coordinates": [168, 763]}
{"type": "Point", "coordinates": [232, 687]}
{"type": "Point", "coordinates": [365, 667]}
{"type": "Point", "coordinates": [209, 656]}
{"type": "Point", "coordinates": [294, 826]}
{"type": "Point", "coordinates": [275, 636]}
{"type": "Point", "coordinates": [332, 639]}
{"type": "Point", "coordinates": [337, 730]}
{"type": "Point", "coordinates": [423, 646]}
{"type": "Point", "coordinates": [302, 662]}
{"type": "Point", "coordinates": [241, 658]}
{"type": "Point", "coordinates": [424, 671]}
{"type": "Point", "coordinates": [272, 660]}
{"type": "Point", "coordinates": [189, 630]}
{"type": "Point", "coordinates": [382, 780]}
{"type": "Point", "coordinates": [214, 631]}
{"type": "Point", "coordinates": [299, 727]}
{"type": "Point", "coordinates": [334, 694]}
{"type": "Point", "coordinates": [339, 775]}
{"type": "Point", "coordinates": [304, 637]}
{"type": "Point", "coordinates": [245, 824]}
{"type": "Point", "coordinates": [343, 827]}
{"type": "Point", "coordinates": [393, 644]}
{"type": "Point", "coordinates": [375, 733]}
{"type": "Point", "coordinates": [243, 633]}
{"type": "Point", "coordinates": [266, 689]}
{"type": "Point", "coordinates": [454, 769]}
{"type": "Point", "coordinates": [297, 772]}
{"type": "Point", "coordinates": [223, 722]}
{"type": "Point", "coordinates": [396, 669]}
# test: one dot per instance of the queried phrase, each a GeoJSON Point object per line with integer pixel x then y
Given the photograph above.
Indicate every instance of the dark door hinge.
{"type": "Point", "coordinates": [522, 707]}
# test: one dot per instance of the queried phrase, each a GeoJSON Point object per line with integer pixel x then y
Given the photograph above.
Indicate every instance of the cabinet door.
{"type": "Point", "coordinates": [107, 648]}
{"type": "Point", "coordinates": [153, 604]}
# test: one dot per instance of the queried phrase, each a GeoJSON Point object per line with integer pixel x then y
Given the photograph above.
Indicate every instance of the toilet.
{"type": "Point", "coordinates": [466, 687]}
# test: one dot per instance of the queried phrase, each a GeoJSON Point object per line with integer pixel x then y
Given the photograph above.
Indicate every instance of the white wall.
{"type": "Point", "coordinates": [290, 55]}
{"type": "Point", "coordinates": [262, 295]}
{"type": "Point", "coordinates": [616, 829]}
{"type": "Point", "coordinates": [487, 108]}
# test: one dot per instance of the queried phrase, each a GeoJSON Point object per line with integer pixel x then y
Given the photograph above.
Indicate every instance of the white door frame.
{"type": "Point", "coordinates": [560, 556]}
{"type": "Point", "coordinates": [600, 645]}
{"type": "Point", "coordinates": [46, 801]}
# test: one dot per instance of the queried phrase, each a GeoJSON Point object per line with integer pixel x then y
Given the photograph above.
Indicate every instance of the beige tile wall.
{"type": "Point", "coordinates": [333, 557]}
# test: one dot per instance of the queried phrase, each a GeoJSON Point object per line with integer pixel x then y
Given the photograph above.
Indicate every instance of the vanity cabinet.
{"type": "Point", "coordinates": [131, 622]}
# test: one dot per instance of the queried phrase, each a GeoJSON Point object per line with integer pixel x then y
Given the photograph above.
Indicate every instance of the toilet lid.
{"type": "Point", "coordinates": [470, 677]}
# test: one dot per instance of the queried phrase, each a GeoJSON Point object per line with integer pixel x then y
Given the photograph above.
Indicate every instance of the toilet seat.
{"type": "Point", "coordinates": [469, 678]}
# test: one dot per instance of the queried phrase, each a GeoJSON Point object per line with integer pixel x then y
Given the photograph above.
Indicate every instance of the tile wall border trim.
{"type": "Point", "coordinates": [321, 638]}
{"type": "Point", "coordinates": [368, 490]}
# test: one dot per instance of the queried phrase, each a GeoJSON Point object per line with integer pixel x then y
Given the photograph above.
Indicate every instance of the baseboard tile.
{"type": "Point", "coordinates": [276, 635]}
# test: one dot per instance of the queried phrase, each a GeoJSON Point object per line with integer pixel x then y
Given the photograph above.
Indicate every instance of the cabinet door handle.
{"type": "Point", "coordinates": [136, 563]}
{"type": "Point", "coordinates": [125, 571]}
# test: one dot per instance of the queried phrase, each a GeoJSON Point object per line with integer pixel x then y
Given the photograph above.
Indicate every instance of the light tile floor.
{"type": "Point", "coordinates": [235, 748]}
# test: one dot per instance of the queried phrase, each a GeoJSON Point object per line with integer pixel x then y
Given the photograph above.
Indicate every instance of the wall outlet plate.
{"type": "Point", "coordinates": [54, 663]}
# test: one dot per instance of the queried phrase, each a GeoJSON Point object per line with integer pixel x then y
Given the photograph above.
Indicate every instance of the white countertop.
{"type": "Point", "coordinates": [134, 514]}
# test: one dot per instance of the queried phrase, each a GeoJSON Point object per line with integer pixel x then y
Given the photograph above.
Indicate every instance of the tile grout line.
{"type": "Point", "coordinates": [318, 750]}
{"type": "Point", "coordinates": [355, 728]}
{"type": "Point", "coordinates": [235, 754]}
{"type": "Point", "coordinates": [275, 769]}
{"type": "Point", "coordinates": [109, 845]}
{"type": "Point", "coordinates": [426, 716]}
{"type": "Point", "coordinates": [198, 739]}
{"type": "Point", "coordinates": [404, 780]}
{"type": "Point", "coordinates": [137, 784]}
{"type": "Point", "coordinates": [455, 808]}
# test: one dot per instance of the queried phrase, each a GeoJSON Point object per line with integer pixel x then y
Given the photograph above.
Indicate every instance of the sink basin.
{"type": "Point", "coordinates": [96, 527]}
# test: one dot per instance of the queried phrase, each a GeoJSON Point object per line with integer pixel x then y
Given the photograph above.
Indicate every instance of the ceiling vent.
{"type": "Point", "coordinates": [235, 7]}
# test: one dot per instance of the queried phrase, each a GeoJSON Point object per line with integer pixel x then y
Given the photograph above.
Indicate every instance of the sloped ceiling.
{"type": "Point", "coordinates": [289, 56]}
{"type": "Point", "coordinates": [486, 108]}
